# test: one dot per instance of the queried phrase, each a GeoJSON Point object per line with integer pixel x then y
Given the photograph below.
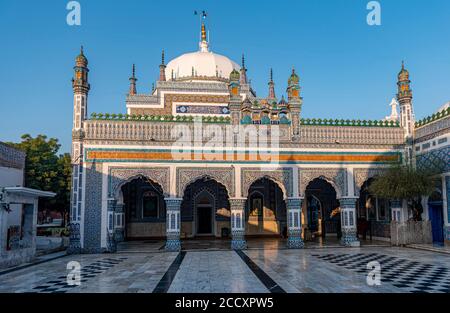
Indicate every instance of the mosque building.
{"type": "Point", "coordinates": [277, 175]}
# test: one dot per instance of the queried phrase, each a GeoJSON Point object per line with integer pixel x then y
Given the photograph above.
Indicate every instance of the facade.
{"type": "Point", "coordinates": [18, 209]}
{"type": "Point", "coordinates": [202, 155]}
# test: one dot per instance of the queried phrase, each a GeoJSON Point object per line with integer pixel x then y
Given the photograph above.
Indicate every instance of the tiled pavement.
{"type": "Point", "coordinates": [257, 271]}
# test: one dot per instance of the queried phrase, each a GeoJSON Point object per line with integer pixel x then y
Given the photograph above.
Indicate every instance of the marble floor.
{"type": "Point", "coordinates": [329, 270]}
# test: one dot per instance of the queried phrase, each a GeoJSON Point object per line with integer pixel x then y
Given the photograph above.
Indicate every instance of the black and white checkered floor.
{"type": "Point", "coordinates": [410, 276]}
{"type": "Point", "coordinates": [60, 284]}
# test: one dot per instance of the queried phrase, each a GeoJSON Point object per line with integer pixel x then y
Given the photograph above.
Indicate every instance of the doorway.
{"type": "Point", "coordinates": [204, 219]}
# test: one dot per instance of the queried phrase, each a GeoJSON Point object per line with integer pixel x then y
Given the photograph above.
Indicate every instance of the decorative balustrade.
{"type": "Point", "coordinates": [433, 118]}
{"type": "Point", "coordinates": [351, 135]}
{"type": "Point", "coordinates": [161, 131]}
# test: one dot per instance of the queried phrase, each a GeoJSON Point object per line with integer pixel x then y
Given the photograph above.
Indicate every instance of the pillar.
{"type": "Point", "coordinates": [348, 222]}
{"type": "Point", "coordinates": [173, 221]}
{"type": "Point", "coordinates": [110, 239]}
{"type": "Point", "coordinates": [237, 207]}
{"type": "Point", "coordinates": [294, 210]}
{"type": "Point", "coordinates": [120, 223]}
{"type": "Point", "coordinates": [396, 210]}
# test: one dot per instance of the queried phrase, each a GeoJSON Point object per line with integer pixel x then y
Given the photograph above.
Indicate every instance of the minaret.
{"type": "Point", "coordinates": [133, 81]}
{"type": "Point", "coordinates": [234, 89]}
{"type": "Point", "coordinates": [295, 103]}
{"type": "Point", "coordinates": [81, 89]}
{"type": "Point", "coordinates": [162, 69]}
{"type": "Point", "coordinates": [404, 97]}
{"type": "Point", "coordinates": [271, 88]}
{"type": "Point", "coordinates": [243, 79]}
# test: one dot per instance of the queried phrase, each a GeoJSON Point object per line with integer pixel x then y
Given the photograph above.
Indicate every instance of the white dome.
{"type": "Point", "coordinates": [203, 63]}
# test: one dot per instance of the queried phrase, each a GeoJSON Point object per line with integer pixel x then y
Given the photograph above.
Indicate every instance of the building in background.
{"type": "Point", "coordinates": [18, 209]}
{"type": "Point", "coordinates": [129, 184]}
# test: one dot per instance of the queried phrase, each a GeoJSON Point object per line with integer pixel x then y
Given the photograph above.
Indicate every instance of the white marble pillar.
{"type": "Point", "coordinates": [237, 207]}
{"type": "Point", "coordinates": [294, 212]}
{"type": "Point", "coordinates": [348, 222]}
{"type": "Point", "coordinates": [396, 211]}
{"type": "Point", "coordinates": [173, 224]}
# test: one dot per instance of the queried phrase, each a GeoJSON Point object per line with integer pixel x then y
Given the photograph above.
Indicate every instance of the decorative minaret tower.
{"type": "Point", "coordinates": [404, 98]}
{"type": "Point", "coordinates": [295, 103]}
{"type": "Point", "coordinates": [81, 89]}
{"type": "Point", "coordinates": [243, 79]}
{"type": "Point", "coordinates": [133, 81]}
{"type": "Point", "coordinates": [162, 69]}
{"type": "Point", "coordinates": [271, 96]}
{"type": "Point", "coordinates": [235, 98]}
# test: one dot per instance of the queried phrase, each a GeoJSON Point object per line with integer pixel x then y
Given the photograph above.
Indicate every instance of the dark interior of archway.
{"type": "Point", "coordinates": [265, 201]}
{"type": "Point", "coordinates": [143, 202]}
{"type": "Point", "coordinates": [321, 202]}
{"type": "Point", "coordinates": [218, 203]}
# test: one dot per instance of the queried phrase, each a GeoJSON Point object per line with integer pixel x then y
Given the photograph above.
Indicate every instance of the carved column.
{"type": "Point", "coordinates": [173, 220]}
{"type": "Point", "coordinates": [237, 207]}
{"type": "Point", "coordinates": [348, 222]}
{"type": "Point", "coordinates": [294, 211]}
{"type": "Point", "coordinates": [111, 240]}
{"type": "Point", "coordinates": [396, 209]}
{"type": "Point", "coordinates": [120, 223]}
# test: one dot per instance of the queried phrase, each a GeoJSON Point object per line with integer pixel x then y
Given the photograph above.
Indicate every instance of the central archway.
{"type": "Point", "coordinates": [320, 215]}
{"type": "Point", "coordinates": [205, 210]}
{"type": "Point", "coordinates": [265, 209]}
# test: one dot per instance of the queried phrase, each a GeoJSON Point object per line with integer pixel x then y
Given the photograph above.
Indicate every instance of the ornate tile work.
{"type": "Point", "coordinates": [336, 177]}
{"type": "Point", "coordinates": [202, 109]}
{"type": "Point", "coordinates": [361, 175]}
{"type": "Point", "coordinates": [439, 158]}
{"type": "Point", "coordinates": [186, 176]}
{"type": "Point", "coordinates": [120, 175]}
{"type": "Point", "coordinates": [93, 209]}
{"type": "Point", "coordinates": [283, 177]}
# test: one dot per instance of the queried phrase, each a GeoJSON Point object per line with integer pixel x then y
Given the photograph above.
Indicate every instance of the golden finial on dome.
{"type": "Point", "coordinates": [203, 32]}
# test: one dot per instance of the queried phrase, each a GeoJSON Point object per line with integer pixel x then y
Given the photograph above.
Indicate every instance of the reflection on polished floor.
{"type": "Point", "coordinates": [266, 243]}
{"type": "Point", "coordinates": [330, 270]}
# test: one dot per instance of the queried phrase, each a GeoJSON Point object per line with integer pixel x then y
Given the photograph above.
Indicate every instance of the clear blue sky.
{"type": "Point", "coordinates": [347, 68]}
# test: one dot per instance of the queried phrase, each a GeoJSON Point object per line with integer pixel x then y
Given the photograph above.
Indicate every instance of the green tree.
{"type": "Point", "coordinates": [405, 182]}
{"type": "Point", "coordinates": [46, 170]}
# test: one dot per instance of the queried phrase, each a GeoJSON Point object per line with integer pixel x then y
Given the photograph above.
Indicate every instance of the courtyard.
{"type": "Point", "coordinates": [219, 270]}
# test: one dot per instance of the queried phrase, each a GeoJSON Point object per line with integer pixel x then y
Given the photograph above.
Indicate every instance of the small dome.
{"type": "Point", "coordinates": [234, 75]}
{"type": "Point", "coordinates": [293, 79]}
{"type": "Point", "coordinates": [282, 101]}
{"type": "Point", "coordinates": [203, 64]}
{"type": "Point", "coordinates": [403, 75]}
{"type": "Point", "coordinates": [81, 60]}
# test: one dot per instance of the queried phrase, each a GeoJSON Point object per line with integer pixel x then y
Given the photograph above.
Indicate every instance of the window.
{"type": "Point", "coordinates": [149, 205]}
